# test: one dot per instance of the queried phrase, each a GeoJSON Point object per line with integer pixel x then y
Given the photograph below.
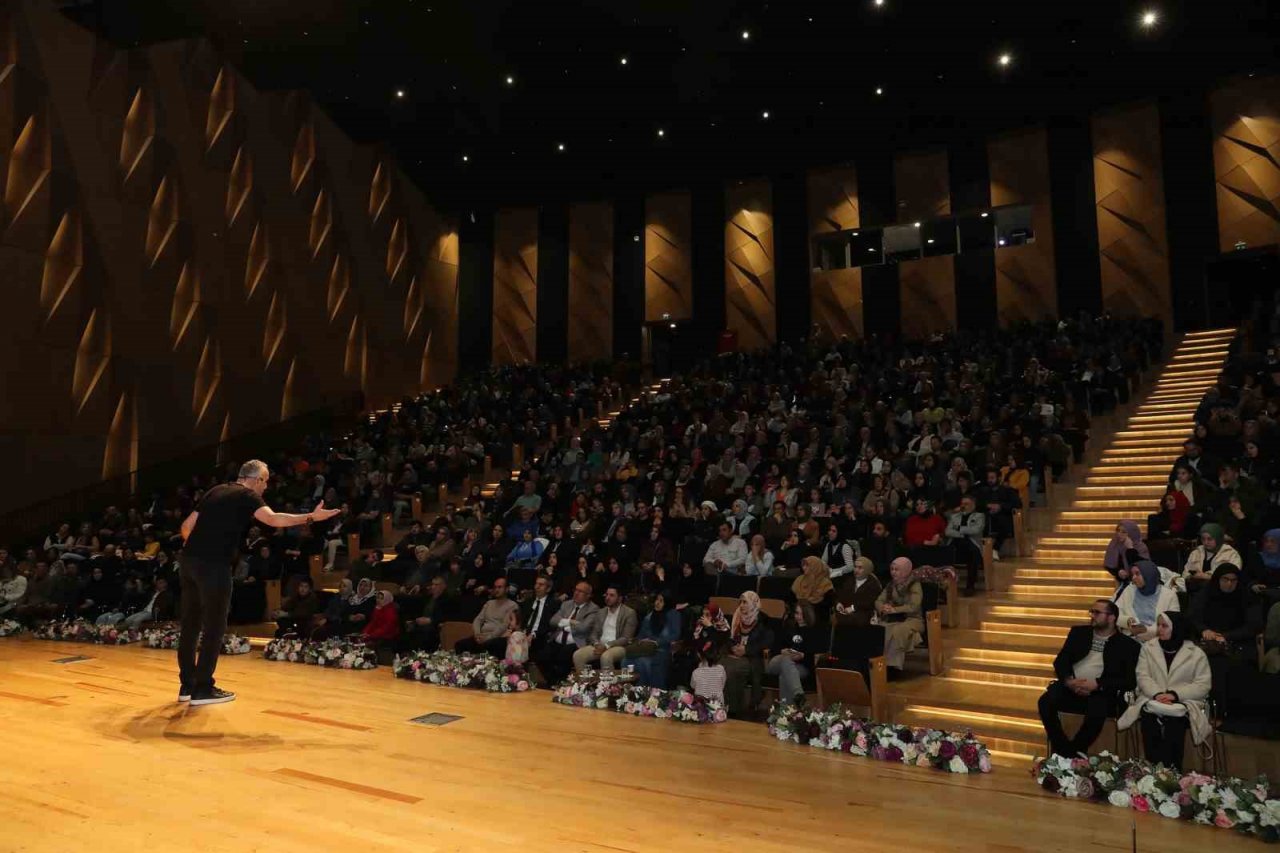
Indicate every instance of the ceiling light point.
{"type": "Point", "coordinates": [1001, 242]}
{"type": "Point", "coordinates": [466, 159]}
{"type": "Point", "coordinates": [746, 35]}
{"type": "Point", "coordinates": [661, 132]}
{"type": "Point", "coordinates": [985, 214]}
{"type": "Point", "coordinates": [1150, 18]}
{"type": "Point", "coordinates": [622, 61]}
{"type": "Point", "coordinates": [399, 93]}
{"type": "Point", "coordinates": [879, 90]}
{"type": "Point", "coordinates": [511, 81]}
{"type": "Point", "coordinates": [1005, 60]}
{"type": "Point", "coordinates": [916, 224]}
{"type": "Point", "coordinates": [764, 114]}
{"type": "Point", "coordinates": [879, 2]}
{"type": "Point", "coordinates": [560, 146]}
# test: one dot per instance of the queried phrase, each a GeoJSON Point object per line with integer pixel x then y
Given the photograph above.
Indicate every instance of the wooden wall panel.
{"type": "Point", "coordinates": [590, 281]}
{"type": "Point", "coordinates": [1246, 161]}
{"type": "Point", "coordinates": [748, 264]}
{"type": "Point", "coordinates": [835, 295]}
{"type": "Point", "coordinates": [1128, 181]}
{"type": "Point", "coordinates": [157, 206]}
{"type": "Point", "coordinates": [515, 285]}
{"type": "Point", "coordinates": [1026, 284]}
{"type": "Point", "coordinates": [668, 258]}
{"type": "Point", "coordinates": [928, 296]}
{"type": "Point", "coordinates": [922, 185]}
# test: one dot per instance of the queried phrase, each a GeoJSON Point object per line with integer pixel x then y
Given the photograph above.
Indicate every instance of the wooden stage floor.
{"type": "Point", "coordinates": [98, 756]}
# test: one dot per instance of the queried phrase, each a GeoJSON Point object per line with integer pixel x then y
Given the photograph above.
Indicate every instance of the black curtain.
{"type": "Point", "coordinates": [791, 256]}
{"type": "Point", "coordinates": [1075, 217]}
{"type": "Point", "coordinates": [553, 283]}
{"type": "Point", "coordinates": [975, 269]}
{"type": "Point", "coordinates": [628, 275]}
{"type": "Point", "coordinates": [1191, 204]}
{"type": "Point", "coordinates": [877, 207]}
{"type": "Point", "coordinates": [475, 290]}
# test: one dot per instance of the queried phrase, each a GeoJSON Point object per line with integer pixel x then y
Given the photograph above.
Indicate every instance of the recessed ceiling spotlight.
{"type": "Point", "coordinates": [985, 214]}
{"type": "Point", "coordinates": [878, 2]}
{"type": "Point", "coordinates": [560, 146]}
{"type": "Point", "coordinates": [746, 35]}
{"type": "Point", "coordinates": [399, 93]}
{"type": "Point", "coordinates": [1150, 18]}
{"type": "Point", "coordinates": [1001, 242]}
{"type": "Point", "coordinates": [466, 159]}
{"type": "Point", "coordinates": [1005, 60]}
{"type": "Point", "coordinates": [511, 81]}
{"type": "Point", "coordinates": [879, 90]}
{"type": "Point", "coordinates": [916, 224]}
{"type": "Point", "coordinates": [871, 248]}
{"type": "Point", "coordinates": [764, 114]}
{"type": "Point", "coordinates": [661, 132]}
{"type": "Point", "coordinates": [930, 240]}
{"type": "Point", "coordinates": [622, 61]}
{"type": "Point", "coordinates": [673, 325]}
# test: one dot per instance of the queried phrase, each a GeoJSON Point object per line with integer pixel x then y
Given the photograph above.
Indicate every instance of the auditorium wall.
{"type": "Point", "coordinates": [515, 286]}
{"type": "Point", "coordinates": [1026, 286]}
{"type": "Point", "coordinates": [590, 281]}
{"type": "Point", "coordinates": [1246, 161]}
{"type": "Point", "coordinates": [189, 259]}
{"type": "Point", "coordinates": [750, 309]}
{"type": "Point", "coordinates": [1133, 244]}
{"type": "Point", "coordinates": [927, 286]}
{"type": "Point", "coordinates": [835, 295]}
{"type": "Point", "coordinates": [668, 259]}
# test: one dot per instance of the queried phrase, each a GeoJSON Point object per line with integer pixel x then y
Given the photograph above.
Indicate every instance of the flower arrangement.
{"type": "Point", "coordinates": [9, 627]}
{"type": "Point", "coordinates": [836, 728]}
{"type": "Point", "coordinates": [1251, 808]}
{"type": "Point", "coordinates": [335, 653]}
{"type": "Point", "coordinates": [165, 636]}
{"type": "Point", "coordinates": [83, 631]}
{"type": "Point", "coordinates": [594, 690]}
{"type": "Point", "coordinates": [449, 669]}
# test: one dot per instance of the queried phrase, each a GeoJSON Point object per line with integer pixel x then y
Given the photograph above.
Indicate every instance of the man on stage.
{"type": "Point", "coordinates": [212, 533]}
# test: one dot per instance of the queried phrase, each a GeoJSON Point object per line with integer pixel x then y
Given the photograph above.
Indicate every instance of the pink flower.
{"type": "Point", "coordinates": [1221, 819]}
{"type": "Point", "coordinates": [1140, 803]}
{"type": "Point", "coordinates": [686, 699]}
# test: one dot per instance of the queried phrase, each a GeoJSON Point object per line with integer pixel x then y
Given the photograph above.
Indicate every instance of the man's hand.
{"type": "Point", "coordinates": [600, 648]}
{"type": "Point", "coordinates": [424, 621]}
{"type": "Point", "coordinates": [322, 514]}
{"type": "Point", "coordinates": [1087, 685]}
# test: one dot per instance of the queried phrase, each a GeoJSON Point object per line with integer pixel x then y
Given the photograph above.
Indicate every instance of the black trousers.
{"type": "Point", "coordinates": [556, 661]}
{"type": "Point", "coordinates": [1164, 738]}
{"type": "Point", "coordinates": [496, 647]}
{"type": "Point", "coordinates": [206, 598]}
{"type": "Point", "coordinates": [1096, 708]}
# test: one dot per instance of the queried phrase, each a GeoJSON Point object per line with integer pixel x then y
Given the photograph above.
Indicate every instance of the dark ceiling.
{"type": "Point", "coordinates": [813, 66]}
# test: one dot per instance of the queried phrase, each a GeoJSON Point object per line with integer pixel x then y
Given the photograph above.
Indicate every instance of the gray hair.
{"type": "Point", "coordinates": [252, 469]}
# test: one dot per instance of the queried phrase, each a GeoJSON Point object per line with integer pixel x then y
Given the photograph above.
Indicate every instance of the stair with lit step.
{"type": "Point", "coordinates": [997, 668]}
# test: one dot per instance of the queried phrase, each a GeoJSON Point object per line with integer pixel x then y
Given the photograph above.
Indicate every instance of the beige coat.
{"type": "Point", "coordinates": [1188, 676]}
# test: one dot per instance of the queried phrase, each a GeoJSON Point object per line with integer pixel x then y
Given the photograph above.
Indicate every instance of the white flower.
{"type": "Point", "coordinates": [1119, 799]}
{"type": "Point", "coordinates": [1169, 809]}
{"type": "Point", "coordinates": [1104, 778]}
{"type": "Point", "coordinates": [1147, 785]}
{"type": "Point", "coordinates": [957, 765]}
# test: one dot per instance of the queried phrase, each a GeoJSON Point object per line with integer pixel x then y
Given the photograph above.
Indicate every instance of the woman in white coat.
{"type": "Point", "coordinates": [1212, 552]}
{"type": "Point", "coordinates": [1173, 681]}
{"type": "Point", "coordinates": [1142, 599]}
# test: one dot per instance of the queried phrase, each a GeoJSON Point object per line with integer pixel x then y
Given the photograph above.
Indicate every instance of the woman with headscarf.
{"type": "Point", "coordinates": [384, 625]}
{"type": "Point", "coordinates": [1263, 569]}
{"type": "Point", "coordinates": [1142, 600]}
{"type": "Point", "coordinates": [1208, 555]}
{"type": "Point", "coordinates": [1125, 548]}
{"type": "Point", "coordinates": [856, 595]}
{"type": "Point", "coordinates": [1174, 680]}
{"type": "Point", "coordinates": [1224, 620]}
{"type": "Point", "coordinates": [360, 606]}
{"type": "Point", "coordinates": [900, 609]}
{"type": "Point", "coordinates": [749, 637]}
{"type": "Point", "coordinates": [650, 653]}
{"type": "Point", "coordinates": [329, 623]}
{"type": "Point", "coordinates": [814, 587]}
{"type": "Point", "coordinates": [1174, 520]}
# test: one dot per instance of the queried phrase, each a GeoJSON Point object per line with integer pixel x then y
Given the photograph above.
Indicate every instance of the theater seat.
{"type": "Point", "coordinates": [452, 632]}
{"type": "Point", "coordinates": [849, 687]}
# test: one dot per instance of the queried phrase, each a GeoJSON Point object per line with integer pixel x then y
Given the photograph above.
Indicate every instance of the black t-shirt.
{"type": "Point", "coordinates": [226, 511]}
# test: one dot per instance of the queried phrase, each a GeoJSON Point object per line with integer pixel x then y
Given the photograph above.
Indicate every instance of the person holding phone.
{"type": "Point", "coordinates": [800, 639]}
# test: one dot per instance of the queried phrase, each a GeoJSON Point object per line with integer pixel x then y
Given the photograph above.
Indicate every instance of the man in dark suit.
{"type": "Point", "coordinates": [423, 632]}
{"type": "Point", "coordinates": [571, 630]}
{"type": "Point", "coordinates": [1204, 467]}
{"type": "Point", "coordinates": [536, 614]}
{"type": "Point", "coordinates": [997, 501]}
{"type": "Point", "coordinates": [1096, 666]}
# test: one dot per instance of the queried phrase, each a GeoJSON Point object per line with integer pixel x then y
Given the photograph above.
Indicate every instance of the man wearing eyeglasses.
{"type": "Point", "coordinates": [211, 534]}
{"type": "Point", "coordinates": [1096, 666]}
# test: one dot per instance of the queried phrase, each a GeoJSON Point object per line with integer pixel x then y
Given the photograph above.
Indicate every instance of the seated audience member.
{"type": "Point", "coordinates": [814, 587]}
{"type": "Point", "coordinates": [800, 638]}
{"type": "Point", "coordinates": [1195, 462]}
{"type": "Point", "coordinates": [248, 594]}
{"type": "Point", "coordinates": [881, 548]}
{"type": "Point", "coordinates": [727, 554]}
{"type": "Point", "coordinates": [422, 632]}
{"type": "Point", "coordinates": [1125, 548]}
{"type": "Point", "coordinates": [837, 553]}
{"type": "Point", "coordinates": [1175, 520]}
{"type": "Point", "coordinates": [517, 639]}
{"type": "Point", "coordinates": [613, 630]}
{"type": "Point", "coordinates": [1197, 492]}
{"type": "Point", "coordinates": [13, 585]}
{"type": "Point", "coordinates": [749, 637]}
{"type": "Point", "coordinates": [133, 599]}
{"type": "Point", "coordinates": [1207, 556]}
{"type": "Point", "coordinates": [759, 558]}
{"type": "Point", "coordinates": [526, 552]}
{"type": "Point", "coordinates": [996, 502]}
{"type": "Point", "coordinates": [490, 625]}
{"type": "Point", "coordinates": [1142, 600]}
{"type": "Point", "coordinates": [650, 654]}
{"type": "Point", "coordinates": [856, 595]}
{"type": "Point", "coordinates": [1262, 572]}
{"type": "Point", "coordinates": [537, 613]}
{"type": "Point", "coordinates": [98, 595]}
{"type": "Point", "coordinates": [656, 551]}
{"type": "Point", "coordinates": [161, 606]}
{"type": "Point", "coordinates": [298, 610]}
{"type": "Point", "coordinates": [1224, 619]}
{"type": "Point", "coordinates": [329, 622]}
{"type": "Point", "coordinates": [964, 531]}
{"type": "Point", "coordinates": [384, 624]}
{"type": "Point", "coordinates": [709, 677]}
{"type": "Point", "coordinates": [900, 608]}
{"type": "Point", "coordinates": [923, 527]}
{"type": "Point", "coordinates": [1174, 680]}
{"type": "Point", "coordinates": [777, 526]}
{"type": "Point", "coordinates": [572, 626]}
{"type": "Point", "coordinates": [1095, 667]}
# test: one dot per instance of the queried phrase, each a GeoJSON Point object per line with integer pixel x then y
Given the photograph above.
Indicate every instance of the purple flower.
{"type": "Point", "coordinates": [946, 750]}
{"type": "Point", "coordinates": [969, 754]}
{"type": "Point", "coordinates": [1050, 784]}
